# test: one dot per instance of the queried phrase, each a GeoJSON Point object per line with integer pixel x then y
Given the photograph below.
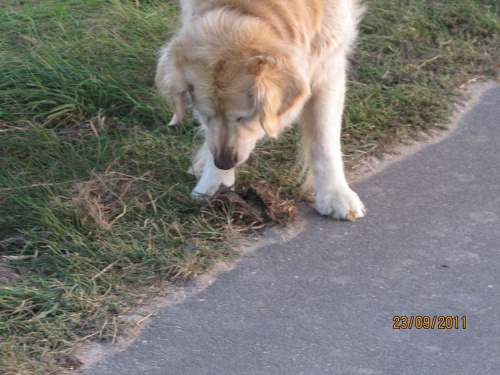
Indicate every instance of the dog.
{"type": "Point", "coordinates": [251, 68]}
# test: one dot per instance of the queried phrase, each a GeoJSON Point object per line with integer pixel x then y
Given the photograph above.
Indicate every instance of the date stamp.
{"type": "Point", "coordinates": [429, 322]}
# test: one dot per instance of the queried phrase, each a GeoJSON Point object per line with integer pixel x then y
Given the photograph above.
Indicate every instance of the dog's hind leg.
{"type": "Point", "coordinates": [212, 178]}
{"type": "Point", "coordinates": [321, 129]}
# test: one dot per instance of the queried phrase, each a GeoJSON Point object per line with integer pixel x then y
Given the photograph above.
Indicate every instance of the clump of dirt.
{"type": "Point", "coordinates": [253, 206]}
{"type": "Point", "coordinates": [63, 360]}
{"type": "Point", "coordinates": [67, 361]}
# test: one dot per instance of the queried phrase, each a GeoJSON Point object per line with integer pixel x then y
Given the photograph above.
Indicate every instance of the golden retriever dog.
{"type": "Point", "coordinates": [251, 68]}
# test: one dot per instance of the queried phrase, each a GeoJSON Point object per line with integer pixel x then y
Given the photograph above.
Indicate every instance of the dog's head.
{"type": "Point", "coordinates": [241, 87]}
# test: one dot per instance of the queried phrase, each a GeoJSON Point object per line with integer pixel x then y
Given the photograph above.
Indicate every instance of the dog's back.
{"type": "Point", "coordinates": [314, 24]}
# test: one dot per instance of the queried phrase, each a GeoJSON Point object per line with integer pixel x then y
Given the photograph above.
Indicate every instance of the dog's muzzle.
{"type": "Point", "coordinates": [226, 163]}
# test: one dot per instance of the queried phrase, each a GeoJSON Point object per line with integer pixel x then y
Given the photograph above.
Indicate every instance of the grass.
{"type": "Point", "coordinates": [95, 213]}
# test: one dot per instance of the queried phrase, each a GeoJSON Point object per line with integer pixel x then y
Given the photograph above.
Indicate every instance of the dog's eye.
{"type": "Point", "coordinates": [241, 120]}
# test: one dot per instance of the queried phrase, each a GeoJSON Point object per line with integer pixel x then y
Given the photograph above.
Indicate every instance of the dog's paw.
{"type": "Point", "coordinates": [211, 181]}
{"type": "Point", "coordinates": [206, 191]}
{"type": "Point", "coordinates": [199, 196]}
{"type": "Point", "coordinates": [340, 204]}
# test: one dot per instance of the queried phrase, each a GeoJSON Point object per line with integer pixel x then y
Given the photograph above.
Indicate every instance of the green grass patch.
{"type": "Point", "coordinates": [95, 213]}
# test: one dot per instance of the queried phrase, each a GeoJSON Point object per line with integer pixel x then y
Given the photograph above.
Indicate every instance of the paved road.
{"type": "Point", "coordinates": [323, 303]}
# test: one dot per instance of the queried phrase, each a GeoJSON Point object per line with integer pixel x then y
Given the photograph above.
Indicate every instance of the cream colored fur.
{"type": "Point", "coordinates": [249, 69]}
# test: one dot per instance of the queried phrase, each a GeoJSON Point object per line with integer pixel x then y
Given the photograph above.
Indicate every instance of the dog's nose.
{"type": "Point", "coordinates": [225, 164]}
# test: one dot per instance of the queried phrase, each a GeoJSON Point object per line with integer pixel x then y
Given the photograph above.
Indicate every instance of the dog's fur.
{"type": "Point", "coordinates": [250, 68]}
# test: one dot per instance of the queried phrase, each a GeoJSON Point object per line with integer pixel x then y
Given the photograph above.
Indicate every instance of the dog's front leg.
{"type": "Point", "coordinates": [212, 178]}
{"type": "Point", "coordinates": [321, 126]}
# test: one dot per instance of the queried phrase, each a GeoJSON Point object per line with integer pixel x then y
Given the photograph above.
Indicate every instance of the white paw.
{"type": "Point", "coordinates": [205, 191]}
{"type": "Point", "coordinates": [341, 204]}
{"type": "Point", "coordinates": [211, 180]}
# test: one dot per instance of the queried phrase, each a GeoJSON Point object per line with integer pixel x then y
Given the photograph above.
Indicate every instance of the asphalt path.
{"type": "Point", "coordinates": [324, 302]}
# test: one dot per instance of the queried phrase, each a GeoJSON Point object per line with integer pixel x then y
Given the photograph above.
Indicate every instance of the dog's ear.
{"type": "Point", "coordinates": [170, 81]}
{"type": "Point", "coordinates": [277, 89]}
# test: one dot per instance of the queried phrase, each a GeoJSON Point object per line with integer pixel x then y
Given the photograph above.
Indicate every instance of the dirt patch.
{"type": "Point", "coordinates": [63, 360]}
{"type": "Point", "coordinates": [8, 274]}
{"type": "Point", "coordinates": [254, 206]}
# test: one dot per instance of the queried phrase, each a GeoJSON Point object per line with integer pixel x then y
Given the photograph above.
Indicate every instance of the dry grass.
{"type": "Point", "coordinates": [103, 199]}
